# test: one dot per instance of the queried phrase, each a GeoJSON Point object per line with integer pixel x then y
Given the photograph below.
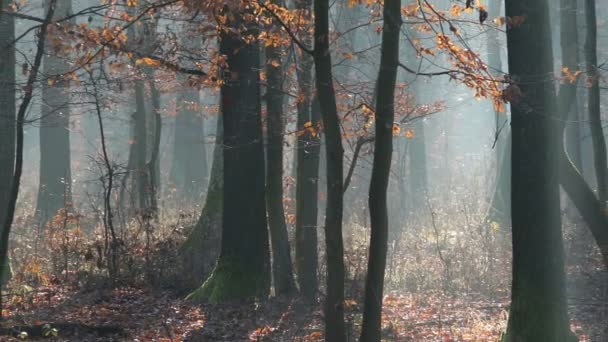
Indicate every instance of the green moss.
{"type": "Point", "coordinates": [232, 279]}
{"type": "Point", "coordinates": [210, 215]}
{"type": "Point", "coordinates": [6, 272]}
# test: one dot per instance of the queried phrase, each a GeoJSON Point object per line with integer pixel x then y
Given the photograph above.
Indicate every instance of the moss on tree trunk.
{"type": "Point", "coordinates": [243, 266]}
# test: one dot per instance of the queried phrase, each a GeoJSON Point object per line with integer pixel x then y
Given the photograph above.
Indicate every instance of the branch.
{"type": "Point", "coordinates": [288, 30]}
{"type": "Point", "coordinates": [360, 142]}
{"type": "Point", "coordinates": [438, 73]}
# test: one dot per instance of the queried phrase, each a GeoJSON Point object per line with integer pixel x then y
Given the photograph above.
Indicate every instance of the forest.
{"type": "Point", "coordinates": [304, 170]}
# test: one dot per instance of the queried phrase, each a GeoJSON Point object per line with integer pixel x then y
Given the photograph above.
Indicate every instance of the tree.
{"type": "Point", "coordinates": [571, 178]}
{"type": "Point", "coordinates": [307, 171]}
{"type": "Point", "coordinates": [189, 174]}
{"type": "Point", "coordinates": [15, 182]}
{"type": "Point", "coordinates": [569, 44]}
{"type": "Point", "coordinates": [538, 296]}
{"type": "Point", "coordinates": [500, 206]}
{"type": "Point", "coordinates": [334, 245]}
{"type": "Point", "coordinates": [281, 256]}
{"type": "Point", "coordinates": [593, 104]}
{"type": "Point", "coordinates": [242, 269]}
{"type": "Point", "coordinates": [55, 190]}
{"type": "Point", "coordinates": [7, 114]}
{"type": "Point", "coordinates": [383, 150]}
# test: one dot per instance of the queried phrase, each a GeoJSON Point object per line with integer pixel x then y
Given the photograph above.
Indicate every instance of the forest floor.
{"type": "Point", "coordinates": [139, 314]}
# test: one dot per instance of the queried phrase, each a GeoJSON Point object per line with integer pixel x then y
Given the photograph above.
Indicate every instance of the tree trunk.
{"type": "Point", "coordinates": [500, 204]}
{"type": "Point", "coordinates": [538, 298]}
{"type": "Point", "coordinates": [189, 167]}
{"type": "Point", "coordinates": [593, 105]}
{"type": "Point", "coordinates": [242, 269]}
{"type": "Point", "coordinates": [7, 117]}
{"type": "Point", "coordinates": [307, 174]}
{"type": "Point", "coordinates": [383, 150]}
{"type": "Point", "coordinates": [282, 271]}
{"type": "Point", "coordinates": [140, 140]}
{"type": "Point", "coordinates": [15, 182]}
{"type": "Point", "coordinates": [569, 51]}
{"type": "Point", "coordinates": [54, 190]}
{"type": "Point", "coordinates": [571, 179]}
{"type": "Point", "coordinates": [334, 302]}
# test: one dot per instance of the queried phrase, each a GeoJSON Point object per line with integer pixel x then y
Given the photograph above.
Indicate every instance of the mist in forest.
{"type": "Point", "coordinates": [304, 170]}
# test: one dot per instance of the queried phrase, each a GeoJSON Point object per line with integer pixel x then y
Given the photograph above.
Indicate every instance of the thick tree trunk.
{"type": "Point", "coordinates": [282, 271]}
{"type": "Point", "coordinates": [383, 150]}
{"type": "Point", "coordinates": [307, 175]}
{"type": "Point", "coordinates": [334, 302]}
{"type": "Point", "coordinates": [55, 190]}
{"type": "Point", "coordinates": [242, 269]}
{"type": "Point", "coordinates": [593, 104]}
{"type": "Point", "coordinates": [538, 298]}
{"type": "Point", "coordinates": [189, 166]}
{"type": "Point", "coordinates": [7, 117]}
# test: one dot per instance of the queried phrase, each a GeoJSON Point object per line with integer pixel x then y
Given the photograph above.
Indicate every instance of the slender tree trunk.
{"type": "Point", "coordinates": [140, 140]}
{"type": "Point", "coordinates": [593, 105]}
{"type": "Point", "coordinates": [19, 136]}
{"type": "Point", "coordinates": [154, 163]}
{"type": "Point", "coordinates": [571, 179]}
{"type": "Point", "coordinates": [334, 302]}
{"type": "Point", "coordinates": [282, 271]}
{"type": "Point", "coordinates": [242, 269]}
{"type": "Point", "coordinates": [538, 298]}
{"type": "Point", "coordinates": [7, 117]}
{"type": "Point", "coordinates": [54, 190]}
{"type": "Point", "coordinates": [307, 174]}
{"type": "Point", "coordinates": [500, 205]}
{"type": "Point", "coordinates": [383, 151]}
{"type": "Point", "coordinates": [569, 50]}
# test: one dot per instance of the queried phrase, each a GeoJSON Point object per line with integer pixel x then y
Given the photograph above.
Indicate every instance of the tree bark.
{"type": "Point", "coordinates": [334, 302]}
{"type": "Point", "coordinates": [307, 173]}
{"type": "Point", "coordinates": [569, 44]}
{"type": "Point", "coordinates": [154, 163]}
{"type": "Point", "coordinates": [19, 139]}
{"type": "Point", "coordinates": [282, 271]}
{"type": "Point", "coordinates": [140, 140]}
{"type": "Point", "coordinates": [54, 190]}
{"type": "Point", "coordinates": [500, 205]}
{"type": "Point", "coordinates": [593, 104]}
{"type": "Point", "coordinates": [242, 269]}
{"type": "Point", "coordinates": [538, 298]}
{"type": "Point", "coordinates": [7, 116]}
{"type": "Point", "coordinates": [383, 150]}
